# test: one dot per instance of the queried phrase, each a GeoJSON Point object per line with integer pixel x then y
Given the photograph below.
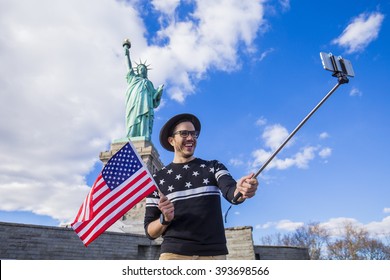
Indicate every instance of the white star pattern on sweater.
{"type": "Point", "coordinates": [189, 176]}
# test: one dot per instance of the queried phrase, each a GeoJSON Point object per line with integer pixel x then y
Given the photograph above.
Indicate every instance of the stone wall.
{"type": "Point", "coordinates": [21, 241]}
{"type": "Point", "coordinates": [240, 243]}
{"type": "Point", "coordinates": [281, 253]}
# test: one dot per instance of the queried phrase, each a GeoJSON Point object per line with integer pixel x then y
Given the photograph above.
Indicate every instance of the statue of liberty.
{"type": "Point", "coordinates": [141, 99]}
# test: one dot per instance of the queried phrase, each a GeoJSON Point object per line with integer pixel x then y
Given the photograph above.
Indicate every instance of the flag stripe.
{"type": "Point", "coordinates": [85, 212]}
{"type": "Point", "coordinates": [84, 209]}
{"type": "Point", "coordinates": [112, 195]}
{"type": "Point", "coordinates": [102, 224]}
{"type": "Point", "coordinates": [123, 182]}
{"type": "Point", "coordinates": [97, 211]}
{"type": "Point", "coordinates": [111, 200]}
{"type": "Point", "coordinates": [89, 230]}
{"type": "Point", "coordinates": [100, 190]}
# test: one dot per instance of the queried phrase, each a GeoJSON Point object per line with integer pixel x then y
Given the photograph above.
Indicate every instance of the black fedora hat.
{"type": "Point", "coordinates": [167, 130]}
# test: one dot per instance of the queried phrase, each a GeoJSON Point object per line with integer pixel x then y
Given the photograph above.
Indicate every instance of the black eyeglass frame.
{"type": "Point", "coordinates": [186, 133]}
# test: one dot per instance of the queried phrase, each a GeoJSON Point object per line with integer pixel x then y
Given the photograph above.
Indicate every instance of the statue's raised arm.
{"type": "Point", "coordinates": [127, 45]}
{"type": "Point", "coordinates": [141, 99]}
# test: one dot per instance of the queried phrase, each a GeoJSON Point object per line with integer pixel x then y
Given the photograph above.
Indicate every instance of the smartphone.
{"type": "Point", "coordinates": [327, 61]}
{"type": "Point", "coordinates": [347, 67]}
{"type": "Point", "coordinates": [336, 64]}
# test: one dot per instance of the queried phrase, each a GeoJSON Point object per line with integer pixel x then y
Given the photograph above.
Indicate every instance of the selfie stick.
{"type": "Point", "coordinates": [341, 68]}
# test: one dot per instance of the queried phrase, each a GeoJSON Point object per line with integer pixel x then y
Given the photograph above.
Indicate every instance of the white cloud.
{"type": "Point", "coordinates": [386, 210]}
{"type": "Point", "coordinates": [288, 225]}
{"type": "Point", "coordinates": [267, 225]}
{"type": "Point", "coordinates": [236, 162]}
{"type": "Point", "coordinates": [62, 81]}
{"type": "Point", "coordinates": [335, 226]}
{"type": "Point", "coordinates": [261, 121]}
{"type": "Point", "coordinates": [60, 74]}
{"type": "Point", "coordinates": [355, 92]}
{"type": "Point", "coordinates": [196, 43]}
{"type": "Point", "coordinates": [264, 54]}
{"type": "Point", "coordinates": [325, 152]}
{"type": "Point", "coordinates": [324, 135]}
{"type": "Point", "coordinates": [167, 7]}
{"type": "Point", "coordinates": [285, 4]}
{"type": "Point", "coordinates": [381, 228]}
{"type": "Point", "coordinates": [300, 159]}
{"type": "Point", "coordinates": [274, 136]}
{"type": "Point", "coordinates": [360, 32]}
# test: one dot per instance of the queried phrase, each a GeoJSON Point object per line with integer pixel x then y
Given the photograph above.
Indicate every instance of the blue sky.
{"type": "Point", "coordinates": [250, 70]}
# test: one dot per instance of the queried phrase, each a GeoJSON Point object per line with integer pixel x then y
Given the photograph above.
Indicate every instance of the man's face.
{"type": "Point", "coordinates": [184, 146]}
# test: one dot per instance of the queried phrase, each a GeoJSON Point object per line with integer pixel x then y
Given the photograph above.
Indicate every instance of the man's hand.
{"type": "Point", "coordinates": [155, 228]}
{"type": "Point", "coordinates": [166, 207]}
{"type": "Point", "coordinates": [247, 186]}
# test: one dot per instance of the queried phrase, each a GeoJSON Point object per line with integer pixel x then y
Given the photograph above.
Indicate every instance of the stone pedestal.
{"type": "Point", "coordinates": [145, 149]}
{"type": "Point", "coordinates": [133, 221]}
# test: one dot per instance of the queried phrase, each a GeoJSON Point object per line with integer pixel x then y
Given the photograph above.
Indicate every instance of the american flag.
{"type": "Point", "coordinates": [122, 183]}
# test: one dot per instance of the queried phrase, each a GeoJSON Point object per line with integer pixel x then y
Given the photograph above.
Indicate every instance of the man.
{"type": "Point", "coordinates": [186, 211]}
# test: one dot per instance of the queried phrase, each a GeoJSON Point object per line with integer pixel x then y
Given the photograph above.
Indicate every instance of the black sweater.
{"type": "Point", "coordinates": [194, 188]}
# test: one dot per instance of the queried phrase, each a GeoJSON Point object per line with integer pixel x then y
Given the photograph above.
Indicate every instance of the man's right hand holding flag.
{"type": "Point", "coordinates": [157, 228]}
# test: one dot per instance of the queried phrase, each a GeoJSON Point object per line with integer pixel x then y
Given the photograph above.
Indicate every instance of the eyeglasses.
{"type": "Point", "coordinates": [185, 133]}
